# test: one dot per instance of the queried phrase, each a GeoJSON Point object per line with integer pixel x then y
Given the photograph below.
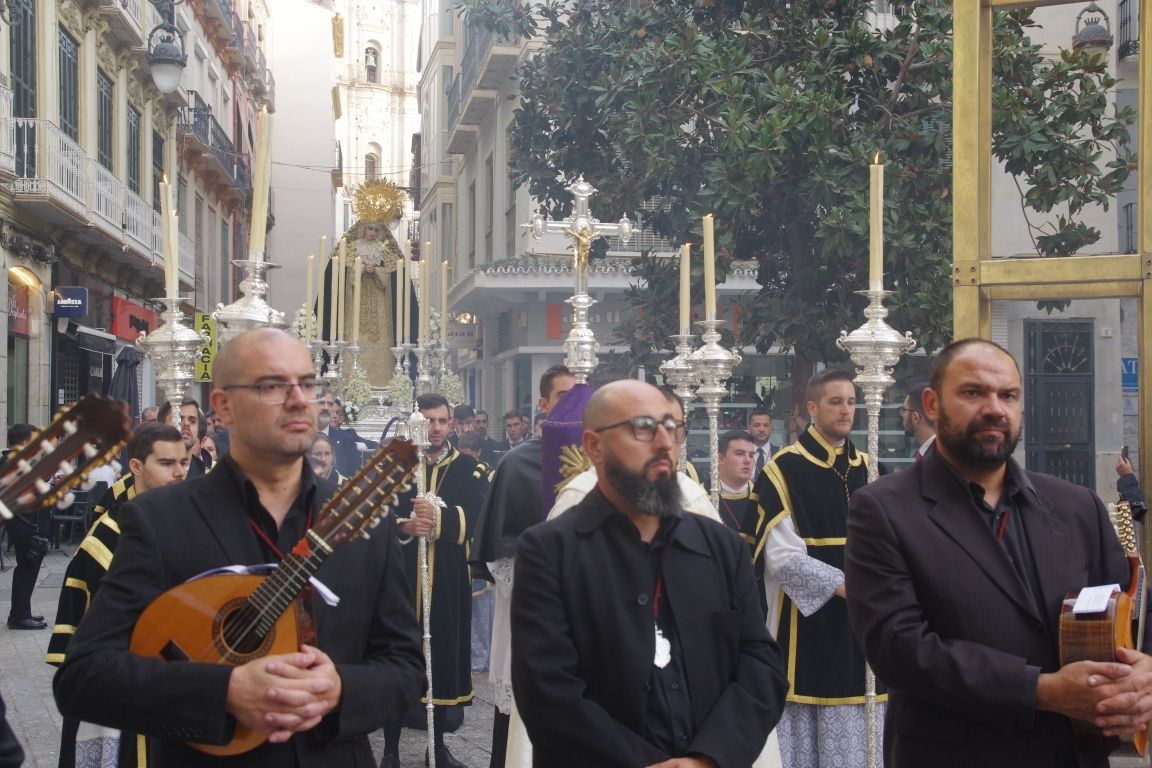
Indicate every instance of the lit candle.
{"type": "Point", "coordinates": [332, 298]}
{"type": "Point", "coordinates": [308, 299]}
{"type": "Point", "coordinates": [262, 171]}
{"type": "Point", "coordinates": [321, 263]}
{"type": "Point", "coordinates": [397, 301]}
{"type": "Point", "coordinates": [685, 289]}
{"type": "Point", "coordinates": [444, 301]}
{"type": "Point", "coordinates": [709, 269]}
{"type": "Point", "coordinates": [172, 273]}
{"type": "Point", "coordinates": [356, 272]}
{"type": "Point", "coordinates": [341, 288]}
{"type": "Point", "coordinates": [876, 226]}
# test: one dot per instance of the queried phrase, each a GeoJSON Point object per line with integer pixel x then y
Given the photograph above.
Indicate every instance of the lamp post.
{"type": "Point", "coordinates": [1094, 37]}
{"type": "Point", "coordinates": [166, 55]}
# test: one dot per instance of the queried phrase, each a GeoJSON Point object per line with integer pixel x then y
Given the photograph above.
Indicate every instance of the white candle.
{"type": "Point", "coordinates": [261, 176]}
{"type": "Point", "coordinates": [444, 301]}
{"type": "Point", "coordinates": [321, 263]}
{"type": "Point", "coordinates": [171, 260]}
{"type": "Point", "coordinates": [425, 278]}
{"type": "Point", "coordinates": [341, 288]}
{"type": "Point", "coordinates": [333, 304]}
{"type": "Point", "coordinates": [356, 272]}
{"type": "Point", "coordinates": [398, 299]}
{"type": "Point", "coordinates": [685, 289]}
{"type": "Point", "coordinates": [709, 269]}
{"type": "Point", "coordinates": [876, 226]}
{"type": "Point", "coordinates": [308, 298]}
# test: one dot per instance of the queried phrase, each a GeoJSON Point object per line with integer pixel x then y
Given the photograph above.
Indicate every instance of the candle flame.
{"type": "Point", "coordinates": [876, 158]}
{"type": "Point", "coordinates": [164, 177]}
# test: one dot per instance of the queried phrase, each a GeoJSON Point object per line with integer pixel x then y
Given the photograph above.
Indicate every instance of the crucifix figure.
{"type": "Point", "coordinates": [582, 229]}
{"type": "Point", "coordinates": [581, 345]}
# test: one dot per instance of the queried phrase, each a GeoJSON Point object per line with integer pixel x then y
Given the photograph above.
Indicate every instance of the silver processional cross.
{"type": "Point", "coordinates": [581, 228]}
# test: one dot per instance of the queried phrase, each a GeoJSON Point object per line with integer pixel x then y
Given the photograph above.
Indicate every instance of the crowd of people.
{"type": "Point", "coordinates": [632, 623]}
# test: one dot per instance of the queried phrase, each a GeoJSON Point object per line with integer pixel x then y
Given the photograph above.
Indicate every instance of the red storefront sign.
{"type": "Point", "coordinates": [130, 318]}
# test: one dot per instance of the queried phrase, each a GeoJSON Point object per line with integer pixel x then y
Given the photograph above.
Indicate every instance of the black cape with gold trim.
{"type": "Point", "coordinates": [462, 483]}
{"type": "Point", "coordinates": [811, 481]}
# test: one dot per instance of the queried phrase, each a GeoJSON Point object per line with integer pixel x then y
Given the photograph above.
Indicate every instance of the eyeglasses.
{"type": "Point", "coordinates": [908, 410]}
{"type": "Point", "coordinates": [644, 428]}
{"type": "Point", "coordinates": [276, 392]}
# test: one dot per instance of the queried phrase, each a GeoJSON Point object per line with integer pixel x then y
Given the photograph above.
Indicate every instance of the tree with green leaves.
{"type": "Point", "coordinates": [767, 114]}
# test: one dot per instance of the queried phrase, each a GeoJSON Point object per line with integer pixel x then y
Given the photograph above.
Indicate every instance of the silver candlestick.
{"type": "Point", "coordinates": [418, 433]}
{"type": "Point", "coordinates": [332, 376]}
{"type": "Point", "coordinates": [875, 348]}
{"type": "Point", "coordinates": [424, 381]}
{"type": "Point", "coordinates": [250, 311]}
{"type": "Point", "coordinates": [173, 348]}
{"type": "Point", "coordinates": [713, 365]}
{"type": "Point", "coordinates": [679, 373]}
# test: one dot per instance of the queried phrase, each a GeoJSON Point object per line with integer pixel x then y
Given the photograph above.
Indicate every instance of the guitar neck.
{"type": "Point", "coordinates": [281, 587]}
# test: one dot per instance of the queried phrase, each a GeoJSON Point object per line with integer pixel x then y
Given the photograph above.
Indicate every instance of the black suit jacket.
{"type": "Point", "coordinates": [171, 534]}
{"type": "Point", "coordinates": [347, 454]}
{"type": "Point", "coordinates": [948, 624]}
{"type": "Point", "coordinates": [583, 641]}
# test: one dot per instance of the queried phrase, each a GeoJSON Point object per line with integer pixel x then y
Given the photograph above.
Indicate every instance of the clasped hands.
{"type": "Point", "coordinates": [284, 694]}
{"type": "Point", "coordinates": [1114, 696]}
{"type": "Point", "coordinates": [423, 520]}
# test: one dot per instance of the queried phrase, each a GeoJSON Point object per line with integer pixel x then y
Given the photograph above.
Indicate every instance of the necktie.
{"type": "Point", "coordinates": [759, 460]}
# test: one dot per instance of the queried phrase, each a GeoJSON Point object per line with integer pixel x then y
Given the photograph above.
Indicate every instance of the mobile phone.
{"type": "Point", "coordinates": [1124, 452]}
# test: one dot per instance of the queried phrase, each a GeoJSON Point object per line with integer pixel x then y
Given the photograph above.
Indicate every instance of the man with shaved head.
{"type": "Point", "coordinates": [637, 633]}
{"type": "Point", "coordinates": [316, 705]}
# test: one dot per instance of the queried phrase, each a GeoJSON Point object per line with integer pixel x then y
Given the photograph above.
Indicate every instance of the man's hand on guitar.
{"type": "Point", "coordinates": [284, 694]}
{"type": "Point", "coordinates": [1128, 707]}
{"type": "Point", "coordinates": [1077, 689]}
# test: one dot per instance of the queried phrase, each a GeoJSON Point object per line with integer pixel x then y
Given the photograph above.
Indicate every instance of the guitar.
{"type": "Point", "coordinates": [1096, 636]}
{"type": "Point", "coordinates": [236, 618]}
{"type": "Point", "coordinates": [60, 456]}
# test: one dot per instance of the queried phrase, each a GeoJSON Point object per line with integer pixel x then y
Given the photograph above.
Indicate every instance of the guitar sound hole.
{"type": "Point", "coordinates": [238, 631]}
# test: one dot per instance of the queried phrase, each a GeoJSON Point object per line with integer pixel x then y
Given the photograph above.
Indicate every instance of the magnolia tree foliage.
{"type": "Point", "coordinates": [767, 114]}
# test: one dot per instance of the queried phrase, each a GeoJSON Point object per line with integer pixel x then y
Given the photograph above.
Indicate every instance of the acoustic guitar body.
{"type": "Point", "coordinates": [1095, 637]}
{"type": "Point", "coordinates": [206, 621]}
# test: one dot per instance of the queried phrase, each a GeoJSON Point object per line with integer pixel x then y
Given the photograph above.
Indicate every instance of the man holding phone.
{"type": "Point", "coordinates": [1128, 486]}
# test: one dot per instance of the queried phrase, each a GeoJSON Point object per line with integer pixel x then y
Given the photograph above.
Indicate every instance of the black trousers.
{"type": "Point", "coordinates": [21, 533]}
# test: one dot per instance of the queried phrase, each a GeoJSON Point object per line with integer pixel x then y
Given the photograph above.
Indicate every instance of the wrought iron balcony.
{"type": "Point", "coordinates": [207, 138]}
{"type": "Point", "coordinates": [1129, 29]}
{"type": "Point", "coordinates": [125, 20]}
{"type": "Point", "coordinates": [488, 61]}
{"type": "Point", "coordinates": [7, 136]}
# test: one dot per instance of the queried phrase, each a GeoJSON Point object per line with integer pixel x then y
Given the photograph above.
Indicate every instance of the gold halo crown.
{"type": "Point", "coordinates": [377, 201]}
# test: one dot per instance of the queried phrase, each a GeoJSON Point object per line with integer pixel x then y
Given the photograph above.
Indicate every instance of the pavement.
{"type": "Point", "coordinates": [26, 684]}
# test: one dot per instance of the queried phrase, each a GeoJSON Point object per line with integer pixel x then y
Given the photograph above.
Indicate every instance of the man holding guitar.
{"type": "Point", "coordinates": [958, 568]}
{"type": "Point", "coordinates": [311, 705]}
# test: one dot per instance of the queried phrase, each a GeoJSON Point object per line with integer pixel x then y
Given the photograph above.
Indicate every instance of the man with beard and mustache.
{"type": "Point", "coordinates": [958, 568]}
{"type": "Point", "coordinates": [637, 634]}
{"type": "Point", "coordinates": [916, 423]}
{"type": "Point", "coordinates": [803, 497]}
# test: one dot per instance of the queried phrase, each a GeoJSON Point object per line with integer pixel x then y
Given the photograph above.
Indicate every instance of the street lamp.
{"type": "Point", "coordinates": [166, 56]}
{"type": "Point", "coordinates": [1093, 38]}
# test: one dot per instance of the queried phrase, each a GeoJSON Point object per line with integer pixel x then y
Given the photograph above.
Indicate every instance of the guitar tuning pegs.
{"type": "Point", "coordinates": [90, 451]}
{"type": "Point", "coordinates": [43, 487]}
{"type": "Point", "coordinates": [69, 427]}
{"type": "Point", "coordinates": [66, 468]}
{"type": "Point", "coordinates": [88, 483]}
{"type": "Point", "coordinates": [365, 534]}
{"type": "Point", "coordinates": [116, 467]}
{"type": "Point", "coordinates": [66, 500]}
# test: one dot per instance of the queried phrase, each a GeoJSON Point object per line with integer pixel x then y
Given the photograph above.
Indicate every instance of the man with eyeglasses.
{"type": "Point", "coordinates": [803, 497]}
{"type": "Point", "coordinates": [686, 675]}
{"type": "Point", "coordinates": [317, 705]}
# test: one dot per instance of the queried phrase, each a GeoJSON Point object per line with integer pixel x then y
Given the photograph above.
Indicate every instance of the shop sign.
{"type": "Point", "coordinates": [130, 319]}
{"type": "Point", "coordinates": [206, 327]}
{"type": "Point", "coordinates": [70, 301]}
{"type": "Point", "coordinates": [18, 309]}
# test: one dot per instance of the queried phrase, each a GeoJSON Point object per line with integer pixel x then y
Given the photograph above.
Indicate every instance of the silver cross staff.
{"type": "Point", "coordinates": [582, 228]}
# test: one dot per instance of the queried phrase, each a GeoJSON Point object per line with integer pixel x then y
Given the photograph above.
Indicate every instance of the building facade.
{"type": "Point", "coordinates": [85, 138]}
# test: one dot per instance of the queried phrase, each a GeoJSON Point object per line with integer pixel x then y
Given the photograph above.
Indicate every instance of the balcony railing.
{"type": "Point", "coordinates": [198, 121]}
{"type": "Point", "coordinates": [7, 134]}
{"type": "Point", "coordinates": [63, 176]}
{"type": "Point", "coordinates": [187, 258]}
{"type": "Point", "coordinates": [105, 197]}
{"type": "Point", "coordinates": [1129, 30]}
{"type": "Point", "coordinates": [140, 222]}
